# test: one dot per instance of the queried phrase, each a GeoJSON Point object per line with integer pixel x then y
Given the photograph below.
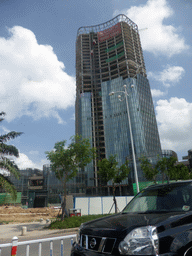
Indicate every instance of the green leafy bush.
{"type": "Point", "coordinates": [73, 222]}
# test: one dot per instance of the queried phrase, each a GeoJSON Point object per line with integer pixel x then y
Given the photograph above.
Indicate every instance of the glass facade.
{"type": "Point", "coordinates": [168, 153]}
{"type": "Point", "coordinates": [142, 116]}
{"type": "Point", "coordinates": [85, 117]}
{"type": "Point", "coordinates": [85, 129]}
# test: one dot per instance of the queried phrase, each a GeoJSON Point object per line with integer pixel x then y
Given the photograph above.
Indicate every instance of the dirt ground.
{"type": "Point", "coordinates": [16, 214]}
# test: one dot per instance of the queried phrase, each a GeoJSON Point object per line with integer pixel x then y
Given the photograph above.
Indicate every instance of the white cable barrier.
{"type": "Point", "coordinates": [15, 244]}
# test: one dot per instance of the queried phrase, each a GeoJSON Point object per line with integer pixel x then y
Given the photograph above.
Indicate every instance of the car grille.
{"type": "Point", "coordinates": [98, 244]}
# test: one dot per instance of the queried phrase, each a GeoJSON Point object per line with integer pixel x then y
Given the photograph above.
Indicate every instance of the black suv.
{"type": "Point", "coordinates": [158, 221]}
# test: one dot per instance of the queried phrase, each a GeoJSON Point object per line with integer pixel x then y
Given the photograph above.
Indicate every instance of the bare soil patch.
{"type": "Point", "coordinates": [17, 214]}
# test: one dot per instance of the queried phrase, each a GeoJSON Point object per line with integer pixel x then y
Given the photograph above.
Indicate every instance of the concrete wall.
{"type": "Point", "coordinates": [100, 205]}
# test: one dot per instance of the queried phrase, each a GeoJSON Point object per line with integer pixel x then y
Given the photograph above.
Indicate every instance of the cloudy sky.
{"type": "Point", "coordinates": [37, 68]}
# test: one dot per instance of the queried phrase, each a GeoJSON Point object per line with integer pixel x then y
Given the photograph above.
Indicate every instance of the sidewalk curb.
{"type": "Point", "coordinates": [58, 231]}
{"type": "Point", "coordinates": [67, 230]}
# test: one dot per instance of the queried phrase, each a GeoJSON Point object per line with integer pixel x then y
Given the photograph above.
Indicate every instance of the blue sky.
{"type": "Point", "coordinates": [37, 68]}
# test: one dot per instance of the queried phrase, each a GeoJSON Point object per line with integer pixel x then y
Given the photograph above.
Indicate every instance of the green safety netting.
{"type": "Point", "coordinates": [114, 47]}
{"type": "Point", "coordinates": [5, 198]}
{"type": "Point", "coordinates": [115, 57]}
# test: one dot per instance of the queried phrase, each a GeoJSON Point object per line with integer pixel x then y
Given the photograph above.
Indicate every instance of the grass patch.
{"type": "Point", "coordinates": [74, 222]}
{"type": "Point", "coordinates": [2, 222]}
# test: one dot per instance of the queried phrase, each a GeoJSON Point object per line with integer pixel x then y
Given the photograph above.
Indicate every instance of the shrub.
{"type": "Point", "coordinates": [73, 222]}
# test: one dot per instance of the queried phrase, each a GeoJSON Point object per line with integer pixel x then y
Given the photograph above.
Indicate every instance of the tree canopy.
{"type": "Point", "coordinates": [109, 171]}
{"type": "Point", "coordinates": [6, 163]}
{"type": "Point", "coordinates": [67, 159]}
{"type": "Point", "coordinates": [150, 172]}
{"type": "Point", "coordinates": [167, 167]}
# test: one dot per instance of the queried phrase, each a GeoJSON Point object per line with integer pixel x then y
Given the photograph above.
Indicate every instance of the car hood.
{"type": "Point", "coordinates": [121, 224]}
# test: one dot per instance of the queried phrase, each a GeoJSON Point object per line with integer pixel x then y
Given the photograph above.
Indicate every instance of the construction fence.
{"type": "Point", "coordinates": [5, 198]}
{"type": "Point", "coordinates": [100, 205]}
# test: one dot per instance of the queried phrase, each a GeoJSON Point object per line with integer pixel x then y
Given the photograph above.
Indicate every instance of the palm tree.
{"type": "Point", "coordinates": [6, 163]}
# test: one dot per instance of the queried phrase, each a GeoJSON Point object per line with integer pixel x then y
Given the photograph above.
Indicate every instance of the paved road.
{"type": "Point", "coordinates": [35, 230]}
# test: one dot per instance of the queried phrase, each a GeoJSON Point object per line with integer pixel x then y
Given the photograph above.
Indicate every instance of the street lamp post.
{"type": "Point", "coordinates": [130, 130]}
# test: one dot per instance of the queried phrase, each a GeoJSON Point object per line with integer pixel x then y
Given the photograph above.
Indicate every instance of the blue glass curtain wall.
{"type": "Point", "coordinates": [142, 116]}
{"type": "Point", "coordinates": [146, 109]}
{"type": "Point", "coordinates": [85, 130]}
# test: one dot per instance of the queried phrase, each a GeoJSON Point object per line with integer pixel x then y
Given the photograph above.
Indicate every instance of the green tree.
{"type": "Point", "coordinates": [167, 167]}
{"type": "Point", "coordinates": [6, 163]}
{"type": "Point", "coordinates": [150, 171]}
{"type": "Point", "coordinates": [109, 171]}
{"type": "Point", "coordinates": [66, 160]}
{"type": "Point", "coordinates": [181, 172]}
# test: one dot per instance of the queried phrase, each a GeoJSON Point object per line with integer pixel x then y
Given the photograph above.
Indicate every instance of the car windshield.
{"type": "Point", "coordinates": [165, 198]}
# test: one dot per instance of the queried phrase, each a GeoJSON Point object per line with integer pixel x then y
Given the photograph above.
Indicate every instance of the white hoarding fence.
{"type": "Point", "coordinates": [100, 205]}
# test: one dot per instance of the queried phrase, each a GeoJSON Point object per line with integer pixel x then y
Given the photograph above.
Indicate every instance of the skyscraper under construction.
{"type": "Point", "coordinates": [108, 58]}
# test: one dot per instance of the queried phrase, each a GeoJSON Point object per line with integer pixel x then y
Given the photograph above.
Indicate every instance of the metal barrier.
{"type": "Point", "coordinates": [15, 244]}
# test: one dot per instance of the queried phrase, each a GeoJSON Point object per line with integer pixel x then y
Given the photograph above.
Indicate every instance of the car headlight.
{"type": "Point", "coordinates": [140, 241]}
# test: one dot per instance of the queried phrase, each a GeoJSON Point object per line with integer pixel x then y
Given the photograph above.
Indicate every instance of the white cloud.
{"type": "Point", "coordinates": [4, 130]}
{"type": "Point", "coordinates": [169, 76]}
{"type": "Point", "coordinates": [32, 79]}
{"type": "Point", "coordinates": [174, 119]}
{"type": "Point", "coordinates": [159, 37]}
{"type": "Point", "coordinates": [172, 74]}
{"type": "Point", "coordinates": [24, 162]}
{"type": "Point", "coordinates": [157, 93]}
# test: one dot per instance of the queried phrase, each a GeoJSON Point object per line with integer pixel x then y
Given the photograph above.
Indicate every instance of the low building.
{"type": "Point", "coordinates": [187, 160]}
{"type": "Point", "coordinates": [37, 192]}
{"type": "Point", "coordinates": [168, 153]}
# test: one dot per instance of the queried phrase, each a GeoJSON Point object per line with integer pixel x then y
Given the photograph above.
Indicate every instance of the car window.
{"type": "Point", "coordinates": [187, 195]}
{"type": "Point", "coordinates": [173, 197]}
{"type": "Point", "coordinates": [144, 204]}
